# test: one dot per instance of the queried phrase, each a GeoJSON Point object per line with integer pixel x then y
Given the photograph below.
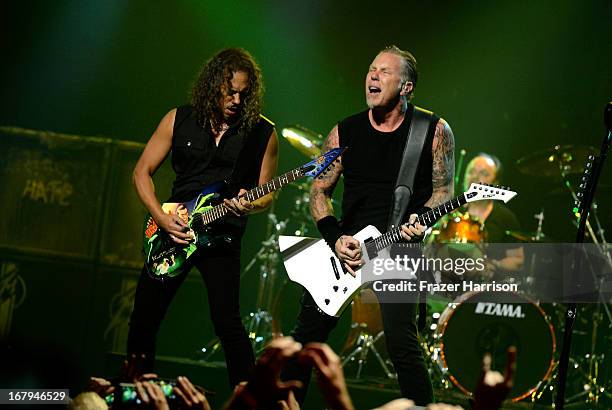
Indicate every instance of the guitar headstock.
{"type": "Point", "coordinates": [479, 192]}
{"type": "Point", "coordinates": [322, 164]}
{"type": "Point", "coordinates": [584, 184]}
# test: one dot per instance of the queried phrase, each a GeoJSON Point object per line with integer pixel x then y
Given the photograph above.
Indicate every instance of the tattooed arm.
{"type": "Point", "coordinates": [323, 186]}
{"type": "Point", "coordinates": [443, 173]}
{"type": "Point", "coordinates": [346, 247]}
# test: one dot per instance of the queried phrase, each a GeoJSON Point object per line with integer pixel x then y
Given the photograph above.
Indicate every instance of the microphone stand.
{"type": "Point", "coordinates": [587, 200]}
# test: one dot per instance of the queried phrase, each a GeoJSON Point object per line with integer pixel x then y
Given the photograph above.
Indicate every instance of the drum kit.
{"type": "Point", "coordinates": [456, 336]}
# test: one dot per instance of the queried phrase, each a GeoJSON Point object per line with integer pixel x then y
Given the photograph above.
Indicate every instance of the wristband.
{"type": "Point", "coordinates": [330, 230]}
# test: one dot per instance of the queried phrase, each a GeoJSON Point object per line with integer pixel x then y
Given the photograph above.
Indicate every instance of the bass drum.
{"type": "Point", "coordinates": [480, 322]}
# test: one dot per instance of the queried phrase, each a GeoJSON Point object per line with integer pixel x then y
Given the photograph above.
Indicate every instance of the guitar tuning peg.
{"type": "Point", "coordinates": [579, 194]}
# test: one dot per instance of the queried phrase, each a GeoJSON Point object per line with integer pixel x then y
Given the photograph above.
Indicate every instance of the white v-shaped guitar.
{"type": "Point", "coordinates": [311, 263]}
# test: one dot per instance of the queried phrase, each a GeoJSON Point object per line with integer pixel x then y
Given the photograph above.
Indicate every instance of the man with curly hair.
{"type": "Point", "coordinates": [221, 135]}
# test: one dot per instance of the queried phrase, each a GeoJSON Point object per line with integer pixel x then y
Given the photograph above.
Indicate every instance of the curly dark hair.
{"type": "Point", "coordinates": [217, 72]}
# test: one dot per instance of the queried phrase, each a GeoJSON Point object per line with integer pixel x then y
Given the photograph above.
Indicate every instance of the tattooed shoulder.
{"type": "Point", "coordinates": [443, 137]}
{"type": "Point", "coordinates": [333, 140]}
{"type": "Point", "coordinates": [443, 152]}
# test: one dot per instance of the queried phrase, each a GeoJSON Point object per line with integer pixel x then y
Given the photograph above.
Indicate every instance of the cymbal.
{"type": "Point", "coordinates": [304, 140]}
{"type": "Point", "coordinates": [524, 236]}
{"type": "Point", "coordinates": [562, 190]}
{"type": "Point", "coordinates": [566, 159]}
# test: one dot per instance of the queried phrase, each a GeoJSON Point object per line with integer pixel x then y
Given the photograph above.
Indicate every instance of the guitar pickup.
{"type": "Point", "coordinates": [335, 267]}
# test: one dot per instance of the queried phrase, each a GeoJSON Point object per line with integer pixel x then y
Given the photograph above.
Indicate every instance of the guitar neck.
{"type": "Point", "coordinates": [219, 211]}
{"type": "Point", "coordinates": [426, 219]}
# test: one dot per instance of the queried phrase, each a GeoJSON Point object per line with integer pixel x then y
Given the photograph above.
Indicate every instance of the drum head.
{"type": "Point", "coordinates": [479, 325]}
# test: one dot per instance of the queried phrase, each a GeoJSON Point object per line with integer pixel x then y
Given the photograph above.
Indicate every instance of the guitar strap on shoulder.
{"type": "Point", "coordinates": [421, 120]}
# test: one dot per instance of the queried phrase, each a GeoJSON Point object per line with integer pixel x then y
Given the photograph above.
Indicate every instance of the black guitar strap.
{"type": "Point", "coordinates": [421, 120]}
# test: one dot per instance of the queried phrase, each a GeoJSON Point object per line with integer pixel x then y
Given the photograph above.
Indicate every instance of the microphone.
{"type": "Point", "coordinates": [608, 115]}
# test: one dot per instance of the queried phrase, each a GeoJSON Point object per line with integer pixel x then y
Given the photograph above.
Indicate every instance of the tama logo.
{"type": "Point", "coordinates": [499, 309]}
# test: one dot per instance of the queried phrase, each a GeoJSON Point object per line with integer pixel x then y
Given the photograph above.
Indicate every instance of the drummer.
{"type": "Point", "coordinates": [495, 216]}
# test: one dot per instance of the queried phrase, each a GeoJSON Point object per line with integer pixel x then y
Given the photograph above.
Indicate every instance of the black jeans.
{"type": "Point", "coordinates": [399, 323]}
{"type": "Point", "coordinates": [220, 269]}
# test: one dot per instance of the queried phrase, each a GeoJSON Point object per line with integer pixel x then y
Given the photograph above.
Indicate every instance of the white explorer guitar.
{"type": "Point", "coordinates": [311, 263]}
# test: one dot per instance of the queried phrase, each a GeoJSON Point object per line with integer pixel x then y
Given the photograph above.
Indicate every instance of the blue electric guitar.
{"type": "Point", "coordinates": [165, 258]}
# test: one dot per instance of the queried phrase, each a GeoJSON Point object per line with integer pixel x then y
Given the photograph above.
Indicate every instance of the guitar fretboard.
{"type": "Point", "coordinates": [426, 219]}
{"type": "Point", "coordinates": [219, 211]}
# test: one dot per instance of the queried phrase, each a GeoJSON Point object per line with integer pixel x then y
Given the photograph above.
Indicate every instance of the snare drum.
{"type": "Point", "coordinates": [480, 322]}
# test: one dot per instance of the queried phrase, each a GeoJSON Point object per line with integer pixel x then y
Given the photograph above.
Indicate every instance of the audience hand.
{"type": "Point", "coordinates": [151, 396]}
{"type": "Point", "coordinates": [397, 404]}
{"type": "Point", "coordinates": [189, 396]}
{"type": "Point", "coordinates": [443, 406]}
{"type": "Point", "coordinates": [264, 388]}
{"type": "Point", "coordinates": [493, 387]}
{"type": "Point", "coordinates": [133, 369]}
{"type": "Point", "coordinates": [100, 386]}
{"type": "Point", "coordinates": [330, 376]}
{"type": "Point", "coordinates": [290, 403]}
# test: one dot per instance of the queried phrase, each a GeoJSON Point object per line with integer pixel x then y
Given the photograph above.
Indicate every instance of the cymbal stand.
{"type": "Point", "coordinates": [601, 232]}
{"type": "Point", "coordinates": [538, 235]}
{"type": "Point", "coordinates": [590, 178]}
{"type": "Point", "coordinates": [593, 386]}
{"type": "Point", "coordinates": [364, 344]}
{"type": "Point", "coordinates": [587, 367]}
{"type": "Point", "coordinates": [259, 323]}
{"type": "Point", "coordinates": [540, 218]}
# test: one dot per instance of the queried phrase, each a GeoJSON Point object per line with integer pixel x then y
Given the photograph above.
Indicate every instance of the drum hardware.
{"type": "Point", "coordinates": [304, 140]}
{"type": "Point", "coordinates": [582, 207]}
{"type": "Point", "coordinates": [589, 385]}
{"type": "Point", "coordinates": [300, 212]}
{"type": "Point", "coordinates": [365, 344]}
{"type": "Point", "coordinates": [564, 159]}
{"type": "Point", "coordinates": [259, 324]}
{"type": "Point", "coordinates": [366, 331]}
{"type": "Point", "coordinates": [458, 171]}
{"type": "Point", "coordinates": [539, 235]}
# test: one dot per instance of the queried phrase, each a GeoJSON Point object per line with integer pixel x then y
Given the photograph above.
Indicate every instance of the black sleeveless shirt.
{"type": "Point", "coordinates": [197, 162]}
{"type": "Point", "coordinates": [371, 164]}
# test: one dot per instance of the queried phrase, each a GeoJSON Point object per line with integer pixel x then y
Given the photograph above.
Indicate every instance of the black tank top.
{"type": "Point", "coordinates": [371, 164]}
{"type": "Point", "coordinates": [197, 162]}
